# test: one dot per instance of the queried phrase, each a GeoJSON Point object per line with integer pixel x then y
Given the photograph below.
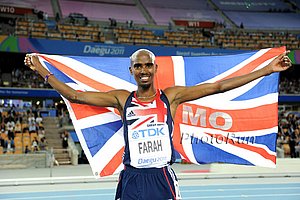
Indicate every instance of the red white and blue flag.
{"type": "Point", "coordinates": [238, 126]}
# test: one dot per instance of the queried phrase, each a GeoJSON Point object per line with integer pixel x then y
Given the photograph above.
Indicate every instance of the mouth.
{"type": "Point", "coordinates": [144, 78]}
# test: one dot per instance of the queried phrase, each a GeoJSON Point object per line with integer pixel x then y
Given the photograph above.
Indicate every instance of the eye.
{"type": "Point", "coordinates": [149, 65]}
{"type": "Point", "coordinates": [137, 66]}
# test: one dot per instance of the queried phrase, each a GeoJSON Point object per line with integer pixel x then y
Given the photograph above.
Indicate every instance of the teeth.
{"type": "Point", "coordinates": [144, 78]}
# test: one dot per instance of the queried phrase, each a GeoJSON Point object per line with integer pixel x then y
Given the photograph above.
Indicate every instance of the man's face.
{"type": "Point", "coordinates": [143, 68]}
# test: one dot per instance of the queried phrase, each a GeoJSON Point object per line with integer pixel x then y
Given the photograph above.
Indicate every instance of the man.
{"type": "Point", "coordinates": [147, 116]}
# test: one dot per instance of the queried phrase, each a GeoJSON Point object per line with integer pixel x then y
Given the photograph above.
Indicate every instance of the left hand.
{"type": "Point", "coordinates": [280, 63]}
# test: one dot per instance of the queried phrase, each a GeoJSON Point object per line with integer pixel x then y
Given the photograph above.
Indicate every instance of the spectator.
{"type": "Point", "coordinates": [41, 133]}
{"type": "Point", "coordinates": [2, 141]}
{"type": "Point", "coordinates": [57, 17]}
{"type": "Point", "coordinates": [297, 146]}
{"type": "Point", "coordinates": [32, 127]}
{"type": "Point", "coordinates": [31, 118]}
{"type": "Point", "coordinates": [27, 150]}
{"type": "Point", "coordinates": [286, 130]}
{"type": "Point", "coordinates": [280, 139]}
{"type": "Point", "coordinates": [2, 126]}
{"type": "Point", "coordinates": [65, 137]}
{"type": "Point", "coordinates": [18, 117]}
{"type": "Point", "coordinates": [35, 145]}
{"type": "Point", "coordinates": [10, 125]}
{"type": "Point", "coordinates": [31, 123]}
{"type": "Point", "coordinates": [10, 146]}
{"type": "Point", "coordinates": [293, 142]}
{"type": "Point", "coordinates": [43, 144]}
{"type": "Point", "coordinates": [63, 118]}
{"type": "Point", "coordinates": [18, 127]}
{"type": "Point", "coordinates": [10, 135]}
{"type": "Point", "coordinates": [39, 119]}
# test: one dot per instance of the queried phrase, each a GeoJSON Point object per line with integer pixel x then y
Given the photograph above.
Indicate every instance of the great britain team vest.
{"type": "Point", "coordinates": [148, 129]}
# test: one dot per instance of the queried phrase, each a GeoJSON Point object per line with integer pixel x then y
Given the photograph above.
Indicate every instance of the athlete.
{"type": "Point", "coordinates": [147, 115]}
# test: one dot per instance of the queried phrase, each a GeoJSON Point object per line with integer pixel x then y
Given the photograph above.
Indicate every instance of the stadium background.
{"type": "Point", "coordinates": [118, 28]}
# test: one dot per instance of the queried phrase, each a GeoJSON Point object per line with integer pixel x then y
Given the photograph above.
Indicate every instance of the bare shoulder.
{"type": "Point", "coordinates": [172, 92]}
{"type": "Point", "coordinates": [120, 95]}
{"type": "Point", "coordinates": [119, 92]}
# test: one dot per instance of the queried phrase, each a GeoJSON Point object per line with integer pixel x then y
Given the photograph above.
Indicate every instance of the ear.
{"type": "Point", "coordinates": [130, 70]}
{"type": "Point", "coordinates": [156, 67]}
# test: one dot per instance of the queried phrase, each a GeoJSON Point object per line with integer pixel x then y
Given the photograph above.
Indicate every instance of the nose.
{"type": "Point", "coordinates": [144, 69]}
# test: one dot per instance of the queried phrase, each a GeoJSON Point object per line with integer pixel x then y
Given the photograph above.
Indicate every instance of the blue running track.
{"type": "Point", "coordinates": [278, 191]}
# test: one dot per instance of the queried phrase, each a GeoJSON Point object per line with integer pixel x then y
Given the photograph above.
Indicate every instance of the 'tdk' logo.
{"type": "Point", "coordinates": [144, 133]}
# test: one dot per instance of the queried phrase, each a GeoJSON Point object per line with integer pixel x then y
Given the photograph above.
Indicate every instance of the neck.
{"type": "Point", "coordinates": [146, 94]}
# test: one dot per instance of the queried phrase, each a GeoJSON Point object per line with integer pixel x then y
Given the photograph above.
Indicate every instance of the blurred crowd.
{"type": "Point", "coordinates": [21, 131]}
{"type": "Point", "coordinates": [289, 85]}
{"type": "Point", "coordinates": [22, 77]}
{"type": "Point", "coordinates": [288, 138]}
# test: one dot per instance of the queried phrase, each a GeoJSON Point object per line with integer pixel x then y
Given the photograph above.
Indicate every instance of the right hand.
{"type": "Point", "coordinates": [29, 61]}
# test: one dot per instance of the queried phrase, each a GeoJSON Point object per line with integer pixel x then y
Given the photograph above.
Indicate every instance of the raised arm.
{"type": "Point", "coordinates": [178, 95]}
{"type": "Point", "coordinates": [114, 98]}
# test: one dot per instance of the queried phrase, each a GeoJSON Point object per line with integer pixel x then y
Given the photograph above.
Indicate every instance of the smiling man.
{"type": "Point", "coordinates": [147, 116]}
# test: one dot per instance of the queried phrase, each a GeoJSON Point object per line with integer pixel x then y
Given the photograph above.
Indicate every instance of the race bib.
{"type": "Point", "coordinates": [149, 145]}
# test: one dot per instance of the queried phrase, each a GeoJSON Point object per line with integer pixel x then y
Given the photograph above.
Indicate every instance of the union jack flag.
{"type": "Point", "coordinates": [238, 126]}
